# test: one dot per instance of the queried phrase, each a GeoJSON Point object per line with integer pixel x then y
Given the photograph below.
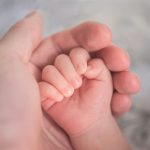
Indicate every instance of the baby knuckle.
{"type": "Point", "coordinates": [60, 58]}
{"type": "Point", "coordinates": [48, 70]}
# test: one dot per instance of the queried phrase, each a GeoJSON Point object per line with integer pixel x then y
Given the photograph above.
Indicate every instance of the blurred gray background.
{"type": "Point", "coordinates": [130, 24]}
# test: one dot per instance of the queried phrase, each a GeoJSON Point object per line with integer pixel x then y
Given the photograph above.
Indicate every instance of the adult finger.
{"type": "Point", "coordinates": [126, 82]}
{"type": "Point", "coordinates": [23, 37]}
{"type": "Point", "coordinates": [90, 35]}
{"type": "Point", "coordinates": [120, 104]}
{"type": "Point", "coordinates": [115, 58]}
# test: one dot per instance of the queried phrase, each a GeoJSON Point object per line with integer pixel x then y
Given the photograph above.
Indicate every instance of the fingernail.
{"type": "Point", "coordinates": [81, 69]}
{"type": "Point", "coordinates": [68, 92]}
{"type": "Point", "coordinates": [76, 82]}
{"type": "Point", "coordinates": [59, 98]}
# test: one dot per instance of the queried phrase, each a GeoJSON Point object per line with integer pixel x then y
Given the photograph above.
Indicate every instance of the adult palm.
{"type": "Point", "coordinates": [23, 54]}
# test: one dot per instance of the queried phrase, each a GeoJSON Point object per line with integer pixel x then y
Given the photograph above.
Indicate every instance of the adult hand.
{"type": "Point", "coordinates": [23, 125]}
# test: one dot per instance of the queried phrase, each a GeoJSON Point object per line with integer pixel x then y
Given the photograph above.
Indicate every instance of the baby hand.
{"type": "Point", "coordinates": [76, 91]}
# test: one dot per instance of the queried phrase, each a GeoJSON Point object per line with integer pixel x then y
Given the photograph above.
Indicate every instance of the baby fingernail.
{"type": "Point", "coordinates": [60, 98]}
{"type": "Point", "coordinates": [76, 82]}
{"type": "Point", "coordinates": [81, 68]}
{"type": "Point", "coordinates": [68, 92]}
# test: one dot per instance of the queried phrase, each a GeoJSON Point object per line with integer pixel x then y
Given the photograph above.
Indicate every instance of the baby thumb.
{"type": "Point", "coordinates": [97, 70]}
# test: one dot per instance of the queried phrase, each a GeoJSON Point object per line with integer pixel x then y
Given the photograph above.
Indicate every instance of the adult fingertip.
{"type": "Point", "coordinates": [99, 36]}
{"type": "Point", "coordinates": [115, 58]}
{"type": "Point", "coordinates": [23, 37]}
{"type": "Point", "coordinates": [126, 82]}
{"type": "Point", "coordinates": [94, 35]}
{"type": "Point", "coordinates": [121, 103]}
{"type": "Point", "coordinates": [135, 83]}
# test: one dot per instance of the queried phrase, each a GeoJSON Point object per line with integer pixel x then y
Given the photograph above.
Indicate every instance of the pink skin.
{"type": "Point", "coordinates": [89, 102]}
{"type": "Point", "coordinates": [92, 33]}
{"type": "Point", "coordinates": [28, 53]}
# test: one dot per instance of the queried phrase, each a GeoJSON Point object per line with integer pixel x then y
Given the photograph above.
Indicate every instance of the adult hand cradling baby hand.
{"type": "Point", "coordinates": [23, 55]}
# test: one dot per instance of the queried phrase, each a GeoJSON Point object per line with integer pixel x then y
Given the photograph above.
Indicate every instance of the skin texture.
{"type": "Point", "coordinates": [23, 54]}
{"type": "Point", "coordinates": [85, 105]}
{"type": "Point", "coordinates": [85, 113]}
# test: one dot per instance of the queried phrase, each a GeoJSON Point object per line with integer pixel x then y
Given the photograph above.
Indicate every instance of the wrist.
{"type": "Point", "coordinates": [95, 127]}
{"type": "Point", "coordinates": [80, 125]}
{"type": "Point", "coordinates": [102, 135]}
{"type": "Point", "coordinates": [89, 124]}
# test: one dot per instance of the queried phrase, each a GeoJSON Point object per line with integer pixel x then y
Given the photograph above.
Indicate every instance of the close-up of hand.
{"type": "Point", "coordinates": [24, 53]}
{"type": "Point", "coordinates": [76, 91]}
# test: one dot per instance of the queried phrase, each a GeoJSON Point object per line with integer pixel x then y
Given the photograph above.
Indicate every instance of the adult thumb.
{"type": "Point", "coordinates": [23, 37]}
